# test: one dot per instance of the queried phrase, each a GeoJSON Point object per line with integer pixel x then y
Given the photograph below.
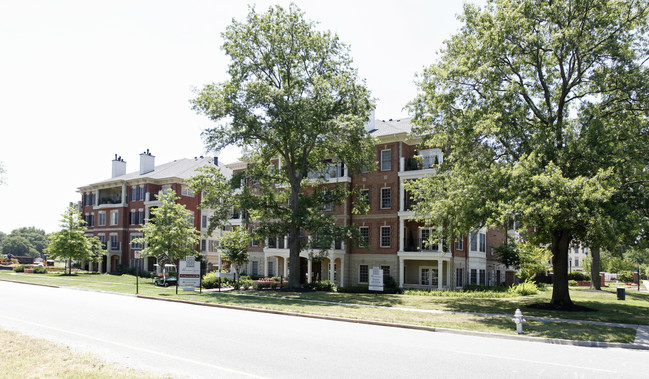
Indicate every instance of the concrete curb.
{"type": "Point", "coordinates": [554, 341]}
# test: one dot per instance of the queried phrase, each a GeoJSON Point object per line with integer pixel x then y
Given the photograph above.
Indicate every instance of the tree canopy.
{"type": "Point", "coordinates": [295, 105]}
{"type": "Point", "coordinates": [541, 108]}
{"type": "Point", "coordinates": [71, 241]}
{"type": "Point", "coordinates": [169, 231]}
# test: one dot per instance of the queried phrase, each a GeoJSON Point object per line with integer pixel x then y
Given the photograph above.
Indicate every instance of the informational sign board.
{"type": "Point", "coordinates": [376, 279]}
{"type": "Point", "coordinates": [189, 273]}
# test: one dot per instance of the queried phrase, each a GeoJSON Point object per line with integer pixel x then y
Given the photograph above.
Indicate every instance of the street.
{"type": "Point", "coordinates": [184, 340]}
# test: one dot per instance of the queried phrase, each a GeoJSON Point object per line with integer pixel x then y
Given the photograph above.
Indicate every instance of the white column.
{"type": "Point", "coordinates": [402, 196]}
{"type": "Point", "coordinates": [265, 265]}
{"type": "Point", "coordinates": [286, 267]}
{"type": "Point", "coordinates": [332, 262]}
{"type": "Point", "coordinates": [401, 234]}
{"type": "Point", "coordinates": [108, 262]}
{"type": "Point", "coordinates": [123, 193]}
{"type": "Point", "coordinates": [401, 273]}
{"type": "Point", "coordinates": [286, 242]}
{"type": "Point", "coordinates": [439, 274]}
{"type": "Point", "coordinates": [402, 164]}
{"type": "Point", "coordinates": [308, 271]}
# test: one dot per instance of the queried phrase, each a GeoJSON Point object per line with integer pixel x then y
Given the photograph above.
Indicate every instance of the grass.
{"type": "Point", "coordinates": [22, 356]}
{"type": "Point", "coordinates": [463, 312]}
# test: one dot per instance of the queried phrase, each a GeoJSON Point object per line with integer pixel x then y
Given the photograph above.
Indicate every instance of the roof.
{"type": "Point", "coordinates": [178, 169]}
{"type": "Point", "coordinates": [391, 127]}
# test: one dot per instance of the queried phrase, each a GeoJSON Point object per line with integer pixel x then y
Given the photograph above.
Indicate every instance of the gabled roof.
{"type": "Point", "coordinates": [179, 169]}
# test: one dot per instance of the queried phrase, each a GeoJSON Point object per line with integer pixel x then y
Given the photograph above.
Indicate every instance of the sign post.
{"type": "Point", "coordinates": [137, 276]}
{"type": "Point", "coordinates": [376, 279]}
{"type": "Point", "coordinates": [189, 274]}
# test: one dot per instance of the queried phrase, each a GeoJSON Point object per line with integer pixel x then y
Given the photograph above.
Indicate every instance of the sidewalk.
{"type": "Point", "coordinates": [641, 340]}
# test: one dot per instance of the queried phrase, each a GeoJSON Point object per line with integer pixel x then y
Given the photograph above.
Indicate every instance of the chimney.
{"type": "Point", "coordinates": [369, 126]}
{"type": "Point", "coordinates": [147, 162]}
{"type": "Point", "coordinates": [119, 167]}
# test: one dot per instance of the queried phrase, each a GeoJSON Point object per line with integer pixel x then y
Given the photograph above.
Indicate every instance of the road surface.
{"type": "Point", "coordinates": [184, 340]}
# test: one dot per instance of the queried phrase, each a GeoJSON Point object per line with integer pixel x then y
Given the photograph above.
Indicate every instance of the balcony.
{"type": "Point", "coordinates": [333, 172]}
{"type": "Point", "coordinates": [421, 244]}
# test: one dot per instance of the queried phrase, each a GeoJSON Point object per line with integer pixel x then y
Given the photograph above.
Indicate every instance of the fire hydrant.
{"type": "Point", "coordinates": [519, 320]}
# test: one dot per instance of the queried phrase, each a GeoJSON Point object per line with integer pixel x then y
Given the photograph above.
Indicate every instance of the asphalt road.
{"type": "Point", "coordinates": [184, 340]}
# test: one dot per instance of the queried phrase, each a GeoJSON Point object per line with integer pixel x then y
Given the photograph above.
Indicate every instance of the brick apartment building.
{"type": "Point", "coordinates": [396, 241]}
{"type": "Point", "coordinates": [115, 209]}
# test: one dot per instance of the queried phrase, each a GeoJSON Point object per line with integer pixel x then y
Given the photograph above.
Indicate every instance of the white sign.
{"type": "Point", "coordinates": [376, 279]}
{"type": "Point", "coordinates": [138, 255]}
{"type": "Point", "coordinates": [189, 273]}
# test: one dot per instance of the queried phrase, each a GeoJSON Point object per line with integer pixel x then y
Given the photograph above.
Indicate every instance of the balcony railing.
{"type": "Point", "coordinates": [414, 164]}
{"type": "Point", "coordinates": [419, 244]}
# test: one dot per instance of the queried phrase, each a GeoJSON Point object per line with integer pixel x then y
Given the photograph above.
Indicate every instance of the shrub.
{"type": "Point", "coordinates": [625, 276]}
{"type": "Point", "coordinates": [578, 276]}
{"type": "Point", "coordinates": [244, 283]}
{"type": "Point", "coordinates": [325, 285]}
{"type": "Point", "coordinates": [40, 270]}
{"type": "Point", "coordinates": [573, 283]}
{"type": "Point", "coordinates": [390, 285]}
{"type": "Point", "coordinates": [19, 268]}
{"type": "Point", "coordinates": [524, 289]}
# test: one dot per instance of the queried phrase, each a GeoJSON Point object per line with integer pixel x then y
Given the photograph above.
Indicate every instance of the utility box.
{"type": "Point", "coordinates": [621, 293]}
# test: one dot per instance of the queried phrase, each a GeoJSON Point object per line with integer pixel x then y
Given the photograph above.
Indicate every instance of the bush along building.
{"type": "Point", "coordinates": [397, 243]}
{"type": "Point", "coordinates": [115, 209]}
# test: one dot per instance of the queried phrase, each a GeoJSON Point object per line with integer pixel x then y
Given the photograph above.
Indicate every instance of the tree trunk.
{"type": "Point", "coordinates": [294, 234]}
{"type": "Point", "coordinates": [560, 289]}
{"type": "Point", "coordinates": [595, 279]}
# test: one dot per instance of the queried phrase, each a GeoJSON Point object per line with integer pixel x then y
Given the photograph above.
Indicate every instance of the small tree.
{"type": "Point", "coordinates": [530, 260]}
{"type": "Point", "coordinates": [169, 231]}
{"type": "Point", "coordinates": [234, 245]}
{"type": "Point", "coordinates": [71, 241]}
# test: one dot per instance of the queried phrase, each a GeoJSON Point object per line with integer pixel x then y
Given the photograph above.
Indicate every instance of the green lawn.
{"type": "Point", "coordinates": [633, 310]}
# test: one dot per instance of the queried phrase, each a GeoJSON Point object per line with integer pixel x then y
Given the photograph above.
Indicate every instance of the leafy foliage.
{"type": "Point", "coordinates": [293, 103]}
{"type": "Point", "coordinates": [541, 108]}
{"type": "Point", "coordinates": [71, 241]}
{"type": "Point", "coordinates": [234, 246]}
{"type": "Point", "coordinates": [529, 259]}
{"type": "Point", "coordinates": [169, 231]}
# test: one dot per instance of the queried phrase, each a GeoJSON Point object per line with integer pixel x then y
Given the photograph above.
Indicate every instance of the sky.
{"type": "Point", "coordinates": [83, 80]}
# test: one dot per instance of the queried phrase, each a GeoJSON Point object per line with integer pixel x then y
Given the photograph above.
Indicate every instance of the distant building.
{"type": "Point", "coordinates": [115, 209]}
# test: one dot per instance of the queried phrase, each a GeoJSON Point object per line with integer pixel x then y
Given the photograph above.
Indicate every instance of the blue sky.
{"type": "Point", "coordinates": [81, 81]}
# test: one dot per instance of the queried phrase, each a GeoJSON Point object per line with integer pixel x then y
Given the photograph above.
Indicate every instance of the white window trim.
{"type": "Point", "coordinates": [389, 160]}
{"type": "Point", "coordinates": [384, 188]}
{"type": "Point", "coordinates": [389, 228]}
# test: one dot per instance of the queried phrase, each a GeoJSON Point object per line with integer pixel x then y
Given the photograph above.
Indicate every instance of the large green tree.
{"type": "Point", "coordinates": [71, 242]}
{"type": "Point", "coordinates": [169, 231]}
{"type": "Point", "coordinates": [293, 101]}
{"type": "Point", "coordinates": [541, 107]}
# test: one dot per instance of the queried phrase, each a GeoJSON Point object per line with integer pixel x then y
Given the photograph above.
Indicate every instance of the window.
{"type": "Point", "coordinates": [482, 277]}
{"type": "Point", "coordinates": [365, 236]}
{"type": "Point", "coordinates": [203, 245]}
{"type": "Point", "coordinates": [186, 191]}
{"type": "Point", "coordinates": [576, 262]}
{"type": "Point", "coordinates": [114, 242]}
{"type": "Point", "coordinates": [483, 242]}
{"type": "Point", "coordinates": [459, 244]}
{"type": "Point", "coordinates": [431, 158]}
{"type": "Point", "coordinates": [425, 243]}
{"type": "Point", "coordinates": [474, 276]}
{"type": "Point", "coordinates": [364, 195]}
{"type": "Point", "coordinates": [113, 217]}
{"type": "Point", "coordinates": [386, 271]}
{"type": "Point", "coordinates": [203, 221]}
{"type": "Point", "coordinates": [363, 274]}
{"type": "Point", "coordinates": [386, 198]}
{"type": "Point", "coordinates": [90, 220]}
{"type": "Point", "coordinates": [458, 277]}
{"type": "Point", "coordinates": [473, 240]}
{"type": "Point", "coordinates": [135, 245]}
{"type": "Point", "coordinates": [386, 160]}
{"type": "Point", "coordinates": [255, 268]}
{"type": "Point", "coordinates": [102, 218]}
{"type": "Point", "coordinates": [385, 236]}
{"type": "Point", "coordinates": [271, 268]}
